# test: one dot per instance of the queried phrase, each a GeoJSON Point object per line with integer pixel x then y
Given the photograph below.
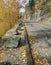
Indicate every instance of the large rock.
{"type": "Point", "coordinates": [12, 42]}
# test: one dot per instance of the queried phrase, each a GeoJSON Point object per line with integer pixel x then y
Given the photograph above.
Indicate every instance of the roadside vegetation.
{"type": "Point", "coordinates": [40, 5]}
{"type": "Point", "coordinates": [9, 14]}
{"type": "Point", "coordinates": [49, 5]}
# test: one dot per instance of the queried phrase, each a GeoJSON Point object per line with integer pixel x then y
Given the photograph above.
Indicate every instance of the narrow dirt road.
{"type": "Point", "coordinates": [40, 40]}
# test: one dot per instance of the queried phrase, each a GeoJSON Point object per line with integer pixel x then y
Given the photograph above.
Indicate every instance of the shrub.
{"type": "Point", "coordinates": [40, 5]}
{"type": "Point", "coordinates": [4, 26]}
{"type": "Point", "coordinates": [49, 5]}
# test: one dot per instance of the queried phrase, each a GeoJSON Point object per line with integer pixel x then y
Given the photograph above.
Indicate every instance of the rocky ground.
{"type": "Point", "coordinates": [9, 52]}
{"type": "Point", "coordinates": [33, 46]}
{"type": "Point", "coordinates": [15, 49]}
{"type": "Point", "coordinates": [14, 56]}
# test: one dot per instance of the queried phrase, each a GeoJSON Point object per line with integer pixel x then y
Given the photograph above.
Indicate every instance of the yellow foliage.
{"type": "Point", "coordinates": [40, 5]}
{"type": "Point", "coordinates": [2, 30]}
{"type": "Point", "coordinates": [49, 5]}
{"type": "Point", "coordinates": [8, 16]}
{"type": "Point", "coordinates": [4, 26]}
{"type": "Point", "coordinates": [1, 4]}
{"type": "Point", "coordinates": [2, 55]}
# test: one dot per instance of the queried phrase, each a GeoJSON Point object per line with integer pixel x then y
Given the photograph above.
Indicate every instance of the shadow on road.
{"type": "Point", "coordinates": [42, 34]}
